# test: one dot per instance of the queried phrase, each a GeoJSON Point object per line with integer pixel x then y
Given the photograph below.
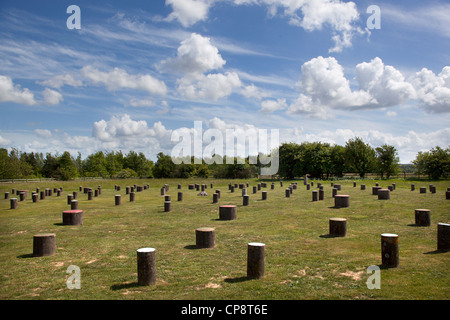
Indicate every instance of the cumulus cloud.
{"type": "Point", "coordinates": [14, 93]}
{"type": "Point", "coordinates": [268, 106]}
{"type": "Point", "coordinates": [51, 97]}
{"type": "Point", "coordinates": [188, 12]}
{"type": "Point", "coordinates": [120, 79]}
{"type": "Point", "coordinates": [433, 90]}
{"type": "Point", "coordinates": [195, 54]}
{"type": "Point", "coordinates": [310, 15]}
{"type": "Point", "coordinates": [324, 86]}
{"type": "Point", "coordinates": [384, 83]}
{"type": "Point", "coordinates": [210, 86]}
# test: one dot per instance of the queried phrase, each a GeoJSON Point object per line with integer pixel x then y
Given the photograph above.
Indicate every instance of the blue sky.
{"type": "Point", "coordinates": [138, 70]}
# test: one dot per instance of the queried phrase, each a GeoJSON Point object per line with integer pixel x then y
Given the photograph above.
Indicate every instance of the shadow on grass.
{"type": "Point", "coordinates": [416, 225]}
{"type": "Point", "coordinates": [330, 236]}
{"type": "Point", "coordinates": [436, 251]}
{"type": "Point", "coordinates": [127, 285]}
{"type": "Point", "coordinates": [237, 279]}
{"type": "Point", "coordinates": [25, 256]}
{"type": "Point", "coordinates": [191, 247]}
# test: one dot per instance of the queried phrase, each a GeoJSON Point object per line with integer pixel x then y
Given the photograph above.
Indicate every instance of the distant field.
{"type": "Point", "coordinates": [301, 261]}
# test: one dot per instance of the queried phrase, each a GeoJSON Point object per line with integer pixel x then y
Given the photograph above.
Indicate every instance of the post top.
{"type": "Point", "coordinates": [256, 244]}
{"type": "Point", "coordinates": [146, 250]}
{"type": "Point", "coordinates": [392, 235]}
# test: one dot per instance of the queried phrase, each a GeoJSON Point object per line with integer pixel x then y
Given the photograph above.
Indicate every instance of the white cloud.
{"type": "Point", "coordinates": [14, 93]}
{"type": "Point", "coordinates": [60, 80]}
{"type": "Point", "coordinates": [4, 141]}
{"type": "Point", "coordinates": [268, 106]}
{"type": "Point", "coordinates": [310, 15]}
{"type": "Point", "coordinates": [189, 12]}
{"type": "Point", "coordinates": [195, 54]}
{"type": "Point", "coordinates": [140, 103]}
{"type": "Point", "coordinates": [43, 133]}
{"type": "Point", "coordinates": [252, 91]}
{"type": "Point", "coordinates": [385, 84]}
{"type": "Point", "coordinates": [324, 87]}
{"type": "Point", "coordinates": [211, 86]}
{"type": "Point", "coordinates": [433, 90]}
{"type": "Point", "coordinates": [51, 97]}
{"type": "Point", "coordinates": [119, 79]}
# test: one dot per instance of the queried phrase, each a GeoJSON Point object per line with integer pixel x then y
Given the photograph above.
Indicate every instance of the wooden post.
{"type": "Point", "coordinates": [264, 195]}
{"type": "Point", "coordinates": [413, 187]}
{"type": "Point", "coordinates": [423, 190]}
{"type": "Point", "coordinates": [44, 244]}
{"type": "Point", "coordinates": [75, 195]}
{"type": "Point", "coordinates": [90, 194]}
{"type": "Point", "coordinates": [6, 195]}
{"type": "Point", "coordinates": [443, 236]}
{"type": "Point", "coordinates": [254, 189]}
{"type": "Point", "coordinates": [422, 217]}
{"type": "Point", "coordinates": [146, 266]}
{"type": "Point", "coordinates": [255, 260]}
{"type": "Point", "coordinates": [180, 196]}
{"type": "Point", "coordinates": [375, 190]}
{"type": "Point", "coordinates": [314, 195]}
{"type": "Point", "coordinates": [338, 227]}
{"type": "Point", "coordinates": [167, 205]}
{"type": "Point", "coordinates": [74, 205]}
{"type": "Point", "coordinates": [341, 201]}
{"type": "Point", "coordinates": [72, 217]}
{"type": "Point", "coordinates": [167, 197]}
{"type": "Point", "coordinates": [228, 212]}
{"type": "Point", "coordinates": [117, 199]}
{"type": "Point", "coordinates": [335, 190]}
{"type": "Point", "coordinates": [245, 200]}
{"type": "Point", "coordinates": [69, 198]}
{"type": "Point", "coordinates": [321, 194]}
{"type": "Point", "coordinates": [13, 203]}
{"type": "Point", "coordinates": [205, 238]}
{"type": "Point", "coordinates": [383, 194]}
{"type": "Point", "coordinates": [218, 193]}
{"type": "Point", "coordinates": [215, 198]}
{"type": "Point", "coordinates": [389, 250]}
{"type": "Point", "coordinates": [35, 197]}
{"type": "Point", "coordinates": [363, 187]}
{"type": "Point", "coordinates": [132, 196]}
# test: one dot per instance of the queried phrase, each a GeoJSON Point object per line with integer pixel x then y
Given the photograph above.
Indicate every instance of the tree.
{"type": "Point", "coordinates": [289, 163]}
{"type": "Point", "coordinates": [67, 168]}
{"type": "Point", "coordinates": [164, 167]}
{"type": "Point", "coordinates": [95, 165]}
{"type": "Point", "coordinates": [434, 163]}
{"type": "Point", "coordinates": [360, 156]}
{"type": "Point", "coordinates": [387, 160]}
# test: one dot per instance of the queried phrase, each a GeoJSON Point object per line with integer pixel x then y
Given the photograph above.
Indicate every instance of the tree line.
{"type": "Point", "coordinates": [317, 159]}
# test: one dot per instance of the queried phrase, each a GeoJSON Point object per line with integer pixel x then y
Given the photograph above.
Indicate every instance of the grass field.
{"type": "Point", "coordinates": [302, 263]}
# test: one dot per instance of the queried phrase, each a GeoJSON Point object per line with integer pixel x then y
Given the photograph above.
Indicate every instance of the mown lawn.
{"type": "Point", "coordinates": [302, 263]}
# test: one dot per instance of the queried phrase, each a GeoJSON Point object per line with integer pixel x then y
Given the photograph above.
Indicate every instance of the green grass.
{"type": "Point", "coordinates": [301, 262]}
